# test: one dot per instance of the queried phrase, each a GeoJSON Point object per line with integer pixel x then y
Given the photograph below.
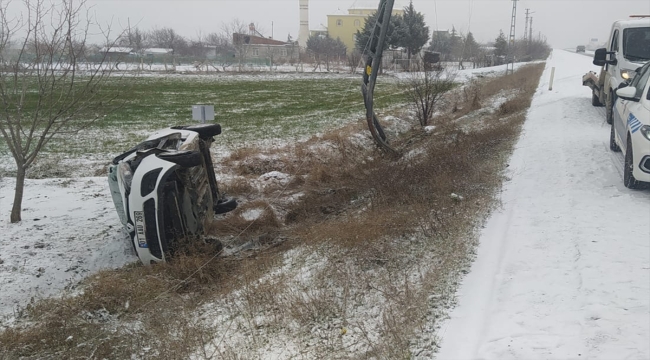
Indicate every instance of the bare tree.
{"type": "Point", "coordinates": [235, 33]}
{"type": "Point", "coordinates": [325, 48]}
{"type": "Point", "coordinates": [168, 38]}
{"type": "Point", "coordinates": [224, 50]}
{"type": "Point", "coordinates": [424, 90]}
{"type": "Point", "coordinates": [354, 60]}
{"type": "Point", "coordinates": [48, 87]}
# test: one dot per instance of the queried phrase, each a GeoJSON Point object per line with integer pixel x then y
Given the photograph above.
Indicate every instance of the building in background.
{"type": "Point", "coordinates": [258, 47]}
{"type": "Point", "coordinates": [345, 26]}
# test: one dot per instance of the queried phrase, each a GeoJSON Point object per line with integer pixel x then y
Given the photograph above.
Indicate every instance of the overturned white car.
{"type": "Point", "coordinates": [165, 190]}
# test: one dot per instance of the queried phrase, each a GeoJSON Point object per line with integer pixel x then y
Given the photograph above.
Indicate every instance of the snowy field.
{"type": "Point", "coordinates": [563, 269]}
{"type": "Point", "coordinates": [560, 274]}
{"type": "Point", "coordinates": [70, 229]}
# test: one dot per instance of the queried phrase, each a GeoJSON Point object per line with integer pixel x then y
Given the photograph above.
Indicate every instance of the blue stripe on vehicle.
{"type": "Point", "coordinates": [633, 123]}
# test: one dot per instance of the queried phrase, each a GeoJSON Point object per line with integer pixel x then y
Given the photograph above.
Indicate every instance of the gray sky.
{"type": "Point", "coordinates": [565, 23]}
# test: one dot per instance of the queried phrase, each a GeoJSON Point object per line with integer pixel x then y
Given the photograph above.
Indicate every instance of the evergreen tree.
{"type": "Point", "coordinates": [501, 44]}
{"type": "Point", "coordinates": [363, 36]}
{"type": "Point", "coordinates": [411, 31]}
{"type": "Point", "coordinates": [470, 46]}
{"type": "Point", "coordinates": [440, 42]}
{"type": "Point", "coordinates": [455, 44]}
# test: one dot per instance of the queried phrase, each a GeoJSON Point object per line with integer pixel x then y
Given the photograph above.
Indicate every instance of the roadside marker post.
{"type": "Point", "coordinates": [550, 84]}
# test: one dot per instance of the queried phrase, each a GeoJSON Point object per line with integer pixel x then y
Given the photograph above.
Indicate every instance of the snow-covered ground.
{"type": "Point", "coordinates": [563, 269]}
{"type": "Point", "coordinates": [69, 230]}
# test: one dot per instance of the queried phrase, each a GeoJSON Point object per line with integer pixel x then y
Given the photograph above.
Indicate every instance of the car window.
{"type": "Point", "coordinates": [640, 81]}
{"type": "Point", "coordinates": [614, 45]}
{"type": "Point", "coordinates": [636, 44]}
{"type": "Point", "coordinates": [639, 73]}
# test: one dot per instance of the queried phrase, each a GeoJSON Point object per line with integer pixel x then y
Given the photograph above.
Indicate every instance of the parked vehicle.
{"type": "Point", "coordinates": [165, 190]}
{"type": "Point", "coordinates": [630, 130]}
{"type": "Point", "coordinates": [628, 48]}
{"type": "Point", "coordinates": [580, 48]}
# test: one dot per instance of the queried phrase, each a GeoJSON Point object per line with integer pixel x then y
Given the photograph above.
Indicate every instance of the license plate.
{"type": "Point", "coordinates": [140, 228]}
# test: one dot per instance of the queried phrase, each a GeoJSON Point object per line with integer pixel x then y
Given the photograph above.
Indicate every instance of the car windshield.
{"type": "Point", "coordinates": [636, 44]}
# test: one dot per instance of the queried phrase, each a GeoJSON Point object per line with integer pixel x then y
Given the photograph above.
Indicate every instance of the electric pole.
{"type": "Point", "coordinates": [510, 66]}
{"type": "Point", "coordinates": [526, 30]}
{"type": "Point", "coordinates": [530, 37]}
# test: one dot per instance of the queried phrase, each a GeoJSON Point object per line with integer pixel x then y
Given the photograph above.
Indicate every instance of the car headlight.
{"type": "Point", "coordinates": [125, 175]}
{"type": "Point", "coordinates": [627, 74]}
{"type": "Point", "coordinates": [645, 130]}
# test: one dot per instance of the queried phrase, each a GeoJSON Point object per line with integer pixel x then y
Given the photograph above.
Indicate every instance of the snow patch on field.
{"type": "Point", "coordinates": [70, 230]}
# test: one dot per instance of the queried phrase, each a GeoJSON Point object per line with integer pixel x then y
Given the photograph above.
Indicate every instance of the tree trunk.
{"type": "Point", "coordinates": [18, 195]}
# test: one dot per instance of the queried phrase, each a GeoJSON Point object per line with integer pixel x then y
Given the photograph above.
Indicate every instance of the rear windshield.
{"type": "Point", "coordinates": [636, 44]}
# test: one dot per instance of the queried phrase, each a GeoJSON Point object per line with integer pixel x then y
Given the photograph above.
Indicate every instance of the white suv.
{"type": "Point", "coordinates": [630, 131]}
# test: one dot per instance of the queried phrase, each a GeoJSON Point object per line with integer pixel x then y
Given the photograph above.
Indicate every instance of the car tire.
{"type": "Point", "coordinates": [612, 139]}
{"type": "Point", "coordinates": [609, 108]}
{"type": "Point", "coordinates": [628, 176]}
{"type": "Point", "coordinates": [185, 159]}
{"type": "Point", "coordinates": [595, 101]}
{"type": "Point", "coordinates": [204, 130]}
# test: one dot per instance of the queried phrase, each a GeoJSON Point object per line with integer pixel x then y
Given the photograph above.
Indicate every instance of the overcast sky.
{"type": "Point", "coordinates": [565, 23]}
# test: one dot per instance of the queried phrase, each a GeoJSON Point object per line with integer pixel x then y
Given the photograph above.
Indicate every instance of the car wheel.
{"type": "Point", "coordinates": [612, 140]}
{"type": "Point", "coordinates": [204, 130]}
{"type": "Point", "coordinates": [594, 100]}
{"type": "Point", "coordinates": [183, 158]}
{"type": "Point", "coordinates": [628, 177]}
{"type": "Point", "coordinates": [609, 108]}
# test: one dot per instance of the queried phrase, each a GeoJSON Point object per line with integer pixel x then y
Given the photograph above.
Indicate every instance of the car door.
{"type": "Point", "coordinates": [627, 112]}
{"type": "Point", "coordinates": [612, 69]}
{"type": "Point", "coordinates": [620, 120]}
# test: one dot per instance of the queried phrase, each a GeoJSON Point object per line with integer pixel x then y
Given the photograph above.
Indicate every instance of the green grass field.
{"type": "Point", "coordinates": [250, 110]}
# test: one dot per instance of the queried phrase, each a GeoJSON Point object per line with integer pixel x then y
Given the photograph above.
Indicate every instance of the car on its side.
{"type": "Point", "coordinates": [580, 48]}
{"type": "Point", "coordinates": [165, 190]}
{"type": "Point", "coordinates": [630, 130]}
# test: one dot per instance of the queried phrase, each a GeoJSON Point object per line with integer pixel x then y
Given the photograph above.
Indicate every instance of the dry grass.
{"type": "Point", "coordinates": [371, 255]}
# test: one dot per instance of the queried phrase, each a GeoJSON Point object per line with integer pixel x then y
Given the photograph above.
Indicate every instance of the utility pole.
{"type": "Point", "coordinates": [510, 66]}
{"type": "Point", "coordinates": [526, 30]}
{"type": "Point", "coordinates": [530, 37]}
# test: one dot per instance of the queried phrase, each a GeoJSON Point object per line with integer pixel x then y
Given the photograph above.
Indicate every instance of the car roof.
{"type": "Point", "coordinates": [632, 23]}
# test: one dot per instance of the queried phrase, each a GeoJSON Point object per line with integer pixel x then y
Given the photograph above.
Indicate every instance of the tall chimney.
{"type": "Point", "coordinates": [303, 35]}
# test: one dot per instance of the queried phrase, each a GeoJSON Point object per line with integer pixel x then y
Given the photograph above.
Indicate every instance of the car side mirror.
{"type": "Point", "coordinates": [600, 57]}
{"type": "Point", "coordinates": [627, 93]}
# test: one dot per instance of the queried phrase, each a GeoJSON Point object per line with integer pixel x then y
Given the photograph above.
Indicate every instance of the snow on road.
{"type": "Point", "coordinates": [563, 268]}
